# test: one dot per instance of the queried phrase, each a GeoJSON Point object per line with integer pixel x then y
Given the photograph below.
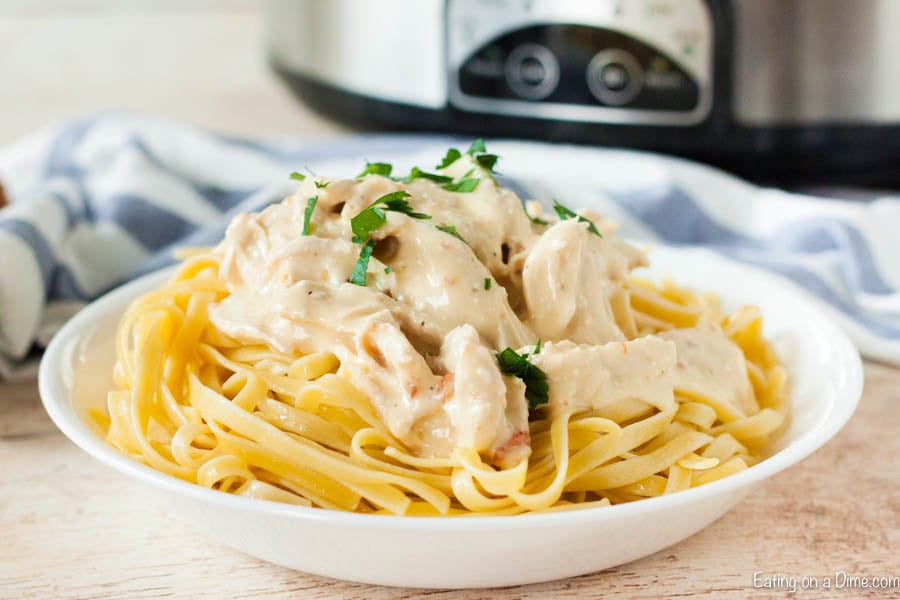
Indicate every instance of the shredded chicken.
{"type": "Point", "coordinates": [420, 337]}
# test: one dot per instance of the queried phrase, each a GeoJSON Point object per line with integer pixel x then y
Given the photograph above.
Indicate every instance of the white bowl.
{"type": "Point", "coordinates": [825, 380]}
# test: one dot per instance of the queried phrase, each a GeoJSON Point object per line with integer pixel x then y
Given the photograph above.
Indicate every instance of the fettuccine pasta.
{"type": "Point", "coordinates": [239, 410]}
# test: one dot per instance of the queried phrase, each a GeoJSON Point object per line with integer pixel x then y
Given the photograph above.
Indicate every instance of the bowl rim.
{"type": "Point", "coordinates": [55, 398]}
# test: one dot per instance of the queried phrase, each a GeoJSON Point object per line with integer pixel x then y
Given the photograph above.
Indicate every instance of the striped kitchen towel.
{"type": "Point", "coordinates": [100, 200]}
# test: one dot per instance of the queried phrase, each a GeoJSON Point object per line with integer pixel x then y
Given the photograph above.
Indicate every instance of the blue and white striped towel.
{"type": "Point", "coordinates": [99, 200]}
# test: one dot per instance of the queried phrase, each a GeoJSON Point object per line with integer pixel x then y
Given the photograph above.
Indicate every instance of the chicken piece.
{"type": "Point", "coordinates": [584, 377]}
{"type": "Point", "coordinates": [570, 277]}
{"type": "Point", "coordinates": [491, 219]}
{"type": "Point", "coordinates": [464, 402]}
{"type": "Point", "coordinates": [487, 410]}
{"type": "Point", "coordinates": [710, 364]}
{"type": "Point", "coordinates": [438, 275]}
{"type": "Point", "coordinates": [268, 247]}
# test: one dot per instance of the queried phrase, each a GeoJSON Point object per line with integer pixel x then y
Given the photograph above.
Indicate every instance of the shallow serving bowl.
{"type": "Point", "coordinates": [825, 379]}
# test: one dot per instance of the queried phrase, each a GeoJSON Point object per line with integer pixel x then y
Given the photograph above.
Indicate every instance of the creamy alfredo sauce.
{"type": "Point", "coordinates": [420, 337]}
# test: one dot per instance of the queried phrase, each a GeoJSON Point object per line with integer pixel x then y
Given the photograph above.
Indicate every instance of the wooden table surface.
{"type": "Point", "coordinates": [73, 528]}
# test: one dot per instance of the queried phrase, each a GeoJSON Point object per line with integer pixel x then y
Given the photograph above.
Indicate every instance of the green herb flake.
{"type": "Point", "coordinates": [358, 276]}
{"type": "Point", "coordinates": [463, 186]}
{"type": "Point", "coordinates": [451, 229]}
{"type": "Point", "coordinates": [478, 153]}
{"type": "Point", "coordinates": [451, 157]}
{"type": "Point", "coordinates": [298, 176]}
{"type": "Point", "coordinates": [396, 201]}
{"type": "Point", "coordinates": [372, 217]}
{"type": "Point", "coordinates": [487, 161]}
{"type": "Point", "coordinates": [366, 222]}
{"type": "Point", "coordinates": [477, 147]}
{"type": "Point", "coordinates": [376, 168]}
{"type": "Point", "coordinates": [417, 173]}
{"type": "Point", "coordinates": [487, 283]}
{"type": "Point", "coordinates": [389, 270]}
{"type": "Point", "coordinates": [565, 213]}
{"type": "Point", "coordinates": [537, 390]}
{"type": "Point", "coordinates": [307, 214]}
{"type": "Point", "coordinates": [537, 347]}
{"type": "Point", "coordinates": [321, 185]}
{"type": "Point", "coordinates": [535, 220]}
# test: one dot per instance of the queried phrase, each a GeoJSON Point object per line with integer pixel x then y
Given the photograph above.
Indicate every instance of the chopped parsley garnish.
{"type": "Point", "coordinates": [478, 153]}
{"type": "Point", "coordinates": [370, 219]}
{"type": "Point", "coordinates": [537, 390]}
{"type": "Point", "coordinates": [537, 348]}
{"type": "Point", "coordinates": [366, 222]}
{"type": "Point", "coordinates": [376, 168]}
{"type": "Point", "coordinates": [535, 220]}
{"type": "Point", "coordinates": [463, 186]}
{"type": "Point", "coordinates": [307, 214]}
{"type": "Point", "coordinates": [451, 229]}
{"type": "Point", "coordinates": [358, 276]}
{"type": "Point", "coordinates": [451, 157]}
{"type": "Point", "coordinates": [477, 147]}
{"type": "Point", "coordinates": [487, 283]}
{"type": "Point", "coordinates": [389, 269]}
{"type": "Point", "coordinates": [487, 161]}
{"type": "Point", "coordinates": [396, 201]}
{"type": "Point", "coordinates": [565, 213]}
{"type": "Point", "coordinates": [417, 173]}
{"type": "Point", "coordinates": [301, 177]}
{"type": "Point", "coordinates": [373, 217]}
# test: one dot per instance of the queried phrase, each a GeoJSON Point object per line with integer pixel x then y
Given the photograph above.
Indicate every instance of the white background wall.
{"type": "Point", "coordinates": [199, 61]}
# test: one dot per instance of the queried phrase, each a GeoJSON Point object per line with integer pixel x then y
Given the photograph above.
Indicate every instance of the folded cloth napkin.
{"type": "Point", "coordinates": [100, 200]}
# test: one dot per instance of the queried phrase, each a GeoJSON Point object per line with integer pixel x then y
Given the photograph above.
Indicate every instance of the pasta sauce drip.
{"type": "Point", "coordinates": [420, 337]}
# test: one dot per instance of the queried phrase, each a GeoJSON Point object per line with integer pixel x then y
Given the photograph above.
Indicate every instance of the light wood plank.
{"type": "Point", "coordinates": [74, 528]}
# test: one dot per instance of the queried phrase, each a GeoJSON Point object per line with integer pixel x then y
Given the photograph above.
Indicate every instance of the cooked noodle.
{"type": "Point", "coordinates": [246, 419]}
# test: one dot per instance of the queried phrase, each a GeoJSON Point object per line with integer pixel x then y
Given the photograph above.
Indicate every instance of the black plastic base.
{"type": "Point", "coordinates": [796, 155]}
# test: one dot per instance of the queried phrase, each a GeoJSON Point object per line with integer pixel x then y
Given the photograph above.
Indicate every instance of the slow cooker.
{"type": "Point", "coordinates": [795, 90]}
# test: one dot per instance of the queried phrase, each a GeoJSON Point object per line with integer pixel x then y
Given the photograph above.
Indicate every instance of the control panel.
{"type": "Point", "coordinates": [601, 61]}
